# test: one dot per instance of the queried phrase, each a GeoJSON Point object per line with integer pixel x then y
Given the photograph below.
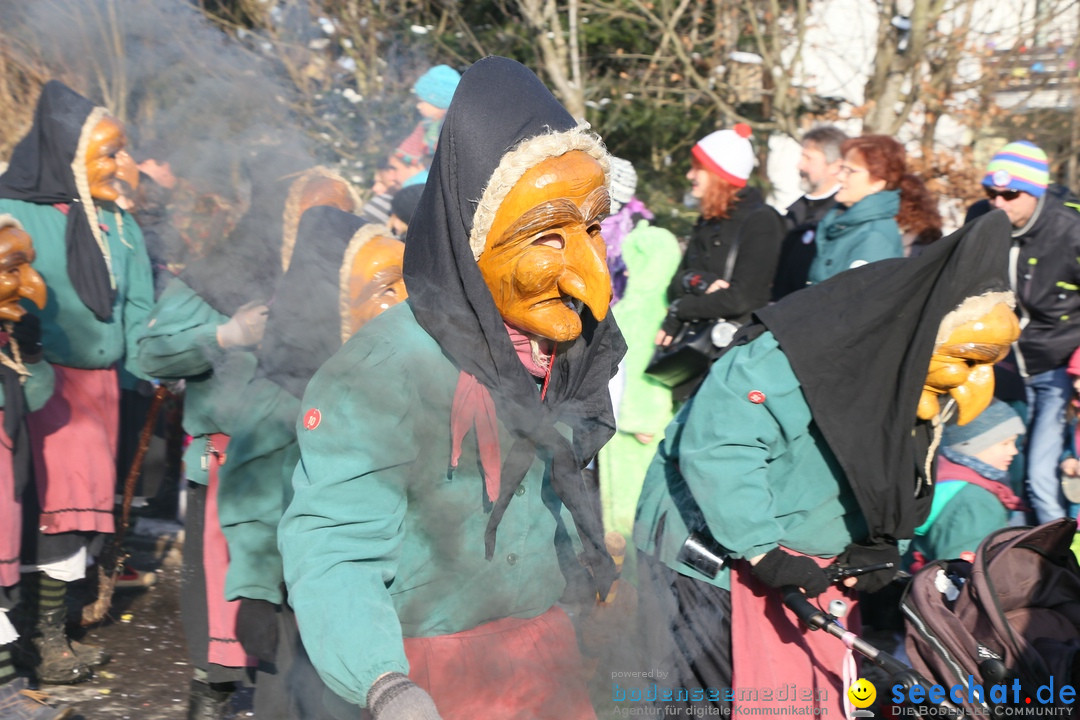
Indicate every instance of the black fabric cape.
{"type": "Point", "coordinates": [40, 172]}
{"type": "Point", "coordinates": [303, 328]}
{"type": "Point", "coordinates": [15, 427]}
{"type": "Point", "coordinates": [860, 345]}
{"type": "Point", "coordinates": [246, 266]}
{"type": "Point", "coordinates": [498, 104]}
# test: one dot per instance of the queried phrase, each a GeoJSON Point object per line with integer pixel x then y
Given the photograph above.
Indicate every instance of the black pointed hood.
{"type": "Point", "coordinates": [860, 345]}
{"type": "Point", "coordinates": [304, 325]}
{"type": "Point", "coordinates": [48, 167]}
{"type": "Point", "coordinates": [501, 122]}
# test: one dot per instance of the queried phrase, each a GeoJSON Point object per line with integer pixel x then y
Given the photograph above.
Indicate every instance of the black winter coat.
{"type": "Point", "coordinates": [760, 230]}
{"type": "Point", "coordinates": [1044, 269]}
{"type": "Point", "coordinates": [798, 248]}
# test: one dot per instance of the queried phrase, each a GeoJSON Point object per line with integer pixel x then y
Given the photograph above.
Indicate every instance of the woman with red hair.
{"type": "Point", "coordinates": [875, 188]}
{"type": "Point", "coordinates": [732, 254]}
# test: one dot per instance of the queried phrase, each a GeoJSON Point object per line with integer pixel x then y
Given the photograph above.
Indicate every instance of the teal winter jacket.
{"type": "Point", "coordinates": [71, 334]}
{"type": "Point", "coordinates": [744, 458]}
{"type": "Point", "coordinates": [383, 539]}
{"type": "Point", "coordinates": [180, 342]}
{"type": "Point", "coordinates": [864, 233]}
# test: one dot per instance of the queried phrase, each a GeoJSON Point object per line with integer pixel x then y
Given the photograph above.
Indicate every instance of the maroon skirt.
{"type": "Point", "coordinates": [510, 669]}
{"type": "Point", "coordinates": [778, 662]}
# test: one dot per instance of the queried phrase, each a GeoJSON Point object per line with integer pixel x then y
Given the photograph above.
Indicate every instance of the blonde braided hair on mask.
{"type": "Point", "coordinates": [82, 184]}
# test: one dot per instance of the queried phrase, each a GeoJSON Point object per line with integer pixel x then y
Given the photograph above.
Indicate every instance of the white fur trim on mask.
{"type": "Point", "coordinates": [972, 309]}
{"type": "Point", "coordinates": [522, 158]}
{"type": "Point", "coordinates": [7, 221]}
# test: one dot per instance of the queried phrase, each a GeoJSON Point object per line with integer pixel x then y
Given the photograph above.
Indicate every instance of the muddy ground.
{"type": "Point", "coordinates": [147, 678]}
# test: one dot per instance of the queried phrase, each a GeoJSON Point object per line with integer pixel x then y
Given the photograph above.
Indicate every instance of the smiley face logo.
{"type": "Point", "coordinates": [862, 693]}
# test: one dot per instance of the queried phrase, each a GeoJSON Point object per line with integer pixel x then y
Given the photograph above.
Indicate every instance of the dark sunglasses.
{"type": "Point", "coordinates": [1007, 195]}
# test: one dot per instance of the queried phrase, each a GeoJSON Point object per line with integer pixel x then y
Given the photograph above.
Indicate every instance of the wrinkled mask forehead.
{"type": "Point", "coordinates": [544, 257]}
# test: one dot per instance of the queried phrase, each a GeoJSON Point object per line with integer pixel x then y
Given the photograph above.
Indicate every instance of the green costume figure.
{"type": "Point", "coordinates": [187, 339]}
{"type": "Point", "coordinates": [62, 184]}
{"type": "Point", "coordinates": [810, 444]}
{"type": "Point", "coordinates": [439, 500]}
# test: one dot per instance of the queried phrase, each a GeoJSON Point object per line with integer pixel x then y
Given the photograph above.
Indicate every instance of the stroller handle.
{"type": "Point", "coordinates": [817, 619]}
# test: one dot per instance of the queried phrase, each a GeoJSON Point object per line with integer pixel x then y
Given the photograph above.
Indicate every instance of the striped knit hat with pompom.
{"type": "Point", "coordinates": [1020, 166]}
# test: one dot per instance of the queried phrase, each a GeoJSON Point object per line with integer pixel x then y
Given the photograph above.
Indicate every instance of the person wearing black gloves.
{"type": "Point", "coordinates": [807, 454]}
{"type": "Point", "coordinates": [728, 267]}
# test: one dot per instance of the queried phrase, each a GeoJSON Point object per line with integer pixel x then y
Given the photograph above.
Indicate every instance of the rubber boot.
{"type": "Point", "coordinates": [18, 702]}
{"type": "Point", "coordinates": [91, 656]}
{"type": "Point", "coordinates": [53, 660]}
{"type": "Point", "coordinates": [208, 701]}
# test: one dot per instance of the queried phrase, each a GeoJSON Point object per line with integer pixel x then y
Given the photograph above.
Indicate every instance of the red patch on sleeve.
{"type": "Point", "coordinates": [312, 418]}
{"type": "Point", "coordinates": [756, 396]}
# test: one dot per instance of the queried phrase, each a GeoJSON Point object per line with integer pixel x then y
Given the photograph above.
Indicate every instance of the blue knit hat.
{"type": "Point", "coordinates": [994, 424]}
{"type": "Point", "coordinates": [1020, 166]}
{"type": "Point", "coordinates": [437, 85]}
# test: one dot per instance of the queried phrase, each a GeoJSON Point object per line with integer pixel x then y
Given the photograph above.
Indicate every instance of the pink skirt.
{"type": "Point", "coordinates": [73, 438]}
{"type": "Point", "coordinates": [510, 669]}
{"type": "Point", "coordinates": [224, 648]}
{"type": "Point", "coordinates": [10, 515]}
{"type": "Point", "coordinates": [778, 662]}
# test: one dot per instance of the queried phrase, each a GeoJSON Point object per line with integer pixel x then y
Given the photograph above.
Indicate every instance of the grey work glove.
{"type": "Point", "coordinates": [245, 328]}
{"type": "Point", "coordinates": [395, 697]}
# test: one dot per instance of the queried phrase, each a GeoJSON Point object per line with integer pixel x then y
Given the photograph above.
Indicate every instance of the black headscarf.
{"type": "Point", "coordinates": [15, 427]}
{"type": "Point", "coordinates": [860, 345]}
{"type": "Point", "coordinates": [41, 172]}
{"type": "Point", "coordinates": [499, 104]}
{"type": "Point", "coordinates": [304, 326]}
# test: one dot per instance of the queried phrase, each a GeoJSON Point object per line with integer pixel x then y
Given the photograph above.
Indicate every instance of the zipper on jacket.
{"type": "Point", "coordinates": [1014, 261]}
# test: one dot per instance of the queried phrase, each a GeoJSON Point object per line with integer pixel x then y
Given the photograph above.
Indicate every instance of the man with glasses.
{"type": "Point", "coordinates": [819, 169]}
{"type": "Point", "coordinates": [1045, 273]}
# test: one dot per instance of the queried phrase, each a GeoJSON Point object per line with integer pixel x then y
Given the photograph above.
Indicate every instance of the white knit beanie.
{"type": "Point", "coordinates": [623, 183]}
{"type": "Point", "coordinates": [727, 153]}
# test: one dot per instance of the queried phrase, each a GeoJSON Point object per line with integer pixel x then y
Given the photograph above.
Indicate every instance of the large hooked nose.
{"type": "Point", "coordinates": [127, 170]}
{"type": "Point", "coordinates": [32, 287]}
{"type": "Point", "coordinates": [585, 275]}
{"type": "Point", "coordinates": [974, 395]}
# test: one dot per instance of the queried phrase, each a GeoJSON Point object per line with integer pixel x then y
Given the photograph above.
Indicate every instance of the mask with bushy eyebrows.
{"type": "Point", "coordinates": [544, 257]}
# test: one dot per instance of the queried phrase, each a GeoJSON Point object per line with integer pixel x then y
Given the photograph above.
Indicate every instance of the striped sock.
{"type": "Point", "coordinates": [7, 665]}
{"type": "Point", "coordinates": [50, 593]}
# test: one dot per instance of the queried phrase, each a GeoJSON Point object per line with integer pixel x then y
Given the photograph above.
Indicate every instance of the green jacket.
{"type": "Point", "coordinates": [745, 457]}
{"type": "Point", "coordinates": [179, 341]}
{"type": "Point", "coordinates": [256, 485]}
{"type": "Point", "coordinates": [961, 522]}
{"type": "Point", "coordinates": [864, 233]}
{"type": "Point", "coordinates": [38, 388]}
{"type": "Point", "coordinates": [70, 333]}
{"type": "Point", "coordinates": [383, 540]}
